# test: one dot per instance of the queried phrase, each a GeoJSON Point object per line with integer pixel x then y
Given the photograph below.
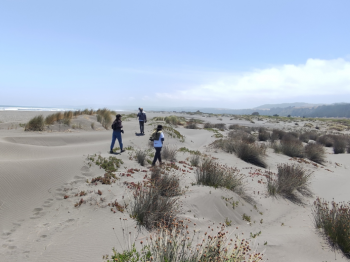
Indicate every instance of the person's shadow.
{"type": "Point", "coordinates": [114, 153]}
{"type": "Point", "coordinates": [139, 134]}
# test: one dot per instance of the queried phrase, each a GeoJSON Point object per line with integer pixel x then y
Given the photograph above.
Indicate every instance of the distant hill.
{"type": "Point", "coordinates": [285, 105]}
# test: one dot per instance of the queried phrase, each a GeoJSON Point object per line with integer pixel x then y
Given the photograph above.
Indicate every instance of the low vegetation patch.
{"type": "Point", "coordinates": [315, 152]}
{"type": "Point", "coordinates": [210, 173]}
{"type": "Point", "coordinates": [104, 116]}
{"type": "Point", "coordinates": [251, 153]}
{"type": "Point", "coordinates": [35, 124]}
{"type": "Point", "coordinates": [186, 150]}
{"type": "Point", "coordinates": [334, 220]}
{"type": "Point", "coordinates": [169, 153]}
{"type": "Point", "coordinates": [178, 244]}
{"type": "Point", "coordinates": [140, 156]}
{"type": "Point", "coordinates": [290, 178]}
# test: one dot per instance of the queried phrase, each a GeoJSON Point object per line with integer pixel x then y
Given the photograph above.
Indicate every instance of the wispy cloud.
{"type": "Point", "coordinates": [315, 78]}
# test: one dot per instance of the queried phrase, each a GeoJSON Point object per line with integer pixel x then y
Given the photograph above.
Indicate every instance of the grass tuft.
{"type": "Point", "coordinates": [315, 152]}
{"type": "Point", "coordinates": [35, 124]}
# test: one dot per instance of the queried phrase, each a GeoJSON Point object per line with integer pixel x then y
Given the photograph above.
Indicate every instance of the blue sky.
{"type": "Point", "coordinates": [232, 54]}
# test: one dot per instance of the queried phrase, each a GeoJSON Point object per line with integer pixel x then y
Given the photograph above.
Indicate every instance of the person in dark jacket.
{"type": "Point", "coordinates": [142, 120]}
{"type": "Point", "coordinates": [158, 139]}
{"type": "Point", "coordinates": [117, 133]}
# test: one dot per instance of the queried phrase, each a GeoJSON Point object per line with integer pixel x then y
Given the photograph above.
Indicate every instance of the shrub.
{"type": "Point", "coordinates": [194, 160]}
{"type": "Point", "coordinates": [339, 145]}
{"type": "Point", "coordinates": [235, 127]}
{"type": "Point", "coordinates": [35, 124]}
{"type": "Point", "coordinates": [191, 125]}
{"type": "Point", "coordinates": [277, 134]}
{"type": "Point", "coordinates": [289, 179]}
{"type": "Point", "coordinates": [104, 116]}
{"type": "Point", "coordinates": [210, 173]}
{"type": "Point", "coordinates": [208, 125]}
{"type": "Point", "coordinates": [292, 148]}
{"type": "Point", "coordinates": [335, 222]}
{"type": "Point", "coordinates": [250, 152]}
{"type": "Point", "coordinates": [220, 126]}
{"type": "Point", "coordinates": [325, 140]}
{"type": "Point", "coordinates": [175, 120]}
{"type": "Point", "coordinates": [306, 136]}
{"type": "Point", "coordinates": [263, 135]}
{"type": "Point", "coordinates": [141, 156]}
{"type": "Point", "coordinates": [168, 185]}
{"type": "Point", "coordinates": [149, 208]}
{"type": "Point", "coordinates": [315, 152]}
{"type": "Point", "coordinates": [169, 153]}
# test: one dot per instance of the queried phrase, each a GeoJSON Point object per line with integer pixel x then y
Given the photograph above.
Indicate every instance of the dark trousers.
{"type": "Point", "coordinates": [157, 156]}
{"type": "Point", "coordinates": [142, 127]}
{"type": "Point", "coordinates": [117, 134]}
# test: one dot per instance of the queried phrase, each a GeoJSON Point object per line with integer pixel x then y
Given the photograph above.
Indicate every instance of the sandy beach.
{"type": "Point", "coordinates": [39, 169]}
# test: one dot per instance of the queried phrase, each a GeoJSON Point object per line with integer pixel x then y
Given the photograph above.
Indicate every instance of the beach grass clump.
{"type": "Point", "coordinates": [292, 147]}
{"type": "Point", "coordinates": [339, 144]}
{"type": "Point", "coordinates": [186, 150]}
{"type": "Point", "coordinates": [169, 153]}
{"type": "Point", "coordinates": [35, 124]}
{"type": "Point", "coordinates": [141, 156]}
{"type": "Point", "coordinates": [104, 116]}
{"type": "Point", "coordinates": [334, 220]}
{"type": "Point", "coordinates": [250, 153]}
{"type": "Point", "coordinates": [177, 243]}
{"type": "Point", "coordinates": [150, 208]}
{"type": "Point", "coordinates": [168, 185]}
{"type": "Point", "coordinates": [315, 152]}
{"type": "Point", "coordinates": [210, 173]}
{"type": "Point", "coordinates": [208, 125]}
{"type": "Point", "coordinates": [306, 136]}
{"type": "Point", "coordinates": [191, 125]}
{"type": "Point", "coordinates": [290, 178]}
{"type": "Point", "coordinates": [172, 132]}
{"type": "Point", "coordinates": [277, 134]}
{"type": "Point", "coordinates": [263, 134]}
{"type": "Point", "coordinates": [235, 127]}
{"type": "Point", "coordinates": [220, 126]}
{"type": "Point", "coordinates": [326, 140]}
{"type": "Point", "coordinates": [175, 120]}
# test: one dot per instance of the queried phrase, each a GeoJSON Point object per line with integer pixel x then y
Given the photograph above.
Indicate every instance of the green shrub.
{"type": "Point", "coordinates": [250, 153]}
{"type": "Point", "coordinates": [35, 124]}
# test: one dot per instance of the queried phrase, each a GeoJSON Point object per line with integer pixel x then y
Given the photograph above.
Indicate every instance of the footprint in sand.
{"type": "Point", "coordinates": [37, 213]}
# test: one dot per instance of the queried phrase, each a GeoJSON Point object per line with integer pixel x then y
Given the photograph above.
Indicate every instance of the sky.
{"type": "Point", "coordinates": [194, 53]}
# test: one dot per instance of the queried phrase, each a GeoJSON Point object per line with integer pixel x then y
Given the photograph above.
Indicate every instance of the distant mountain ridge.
{"type": "Point", "coordinates": [285, 105]}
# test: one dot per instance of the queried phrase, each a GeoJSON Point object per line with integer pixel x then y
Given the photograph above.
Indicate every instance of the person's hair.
{"type": "Point", "coordinates": [118, 116]}
{"type": "Point", "coordinates": [141, 109]}
{"type": "Point", "coordinates": [159, 127]}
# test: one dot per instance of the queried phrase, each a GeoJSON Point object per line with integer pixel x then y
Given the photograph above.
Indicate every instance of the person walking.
{"type": "Point", "coordinates": [142, 120]}
{"type": "Point", "coordinates": [158, 139]}
{"type": "Point", "coordinates": [117, 133]}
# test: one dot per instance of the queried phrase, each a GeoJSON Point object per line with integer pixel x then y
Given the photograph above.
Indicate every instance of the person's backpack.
{"type": "Point", "coordinates": [114, 125]}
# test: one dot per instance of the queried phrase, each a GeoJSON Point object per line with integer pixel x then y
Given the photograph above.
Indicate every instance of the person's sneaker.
{"type": "Point", "coordinates": [121, 151]}
{"type": "Point", "coordinates": [111, 152]}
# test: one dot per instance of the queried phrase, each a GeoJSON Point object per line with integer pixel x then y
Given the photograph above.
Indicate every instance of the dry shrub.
{"type": "Point", "coordinates": [339, 144]}
{"type": "Point", "coordinates": [315, 152]}
{"type": "Point", "coordinates": [289, 179]}
{"type": "Point", "coordinates": [240, 135]}
{"type": "Point", "coordinates": [306, 136]}
{"type": "Point", "coordinates": [220, 126]}
{"type": "Point", "coordinates": [251, 153]}
{"type": "Point", "coordinates": [210, 173]}
{"type": "Point", "coordinates": [235, 127]}
{"type": "Point", "coordinates": [263, 135]}
{"type": "Point", "coordinates": [175, 120]}
{"type": "Point", "coordinates": [35, 124]}
{"type": "Point", "coordinates": [169, 153]}
{"type": "Point", "coordinates": [335, 222]}
{"type": "Point", "coordinates": [191, 125]}
{"type": "Point", "coordinates": [168, 185]}
{"type": "Point", "coordinates": [149, 208]}
{"type": "Point", "coordinates": [326, 140]}
{"type": "Point", "coordinates": [277, 134]}
{"type": "Point", "coordinates": [141, 156]}
{"type": "Point", "coordinates": [208, 125]}
{"type": "Point", "coordinates": [292, 148]}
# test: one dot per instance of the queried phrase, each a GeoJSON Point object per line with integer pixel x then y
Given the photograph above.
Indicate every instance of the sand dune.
{"type": "Point", "coordinates": [37, 169]}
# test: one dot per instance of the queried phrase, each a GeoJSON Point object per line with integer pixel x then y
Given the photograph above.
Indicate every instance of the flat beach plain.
{"type": "Point", "coordinates": [38, 169]}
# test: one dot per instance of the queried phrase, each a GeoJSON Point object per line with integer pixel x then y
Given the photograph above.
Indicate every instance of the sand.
{"type": "Point", "coordinates": [37, 169]}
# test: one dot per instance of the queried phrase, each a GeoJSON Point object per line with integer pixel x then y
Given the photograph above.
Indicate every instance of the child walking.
{"type": "Point", "coordinates": [158, 139]}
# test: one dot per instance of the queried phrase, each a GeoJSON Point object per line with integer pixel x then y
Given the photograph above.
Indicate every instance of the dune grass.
{"type": "Point", "coordinates": [104, 116]}
{"type": "Point", "coordinates": [334, 220]}
{"type": "Point", "coordinates": [315, 152]}
{"type": "Point", "coordinates": [339, 144]}
{"type": "Point", "coordinates": [141, 156]}
{"type": "Point", "coordinates": [263, 135]}
{"type": "Point", "coordinates": [35, 124]}
{"type": "Point", "coordinates": [250, 153]}
{"type": "Point", "coordinates": [290, 178]}
{"type": "Point", "coordinates": [210, 173]}
{"type": "Point", "coordinates": [292, 148]}
{"type": "Point", "coordinates": [169, 153]}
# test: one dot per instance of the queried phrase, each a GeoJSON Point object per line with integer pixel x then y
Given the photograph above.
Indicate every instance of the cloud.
{"type": "Point", "coordinates": [315, 78]}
